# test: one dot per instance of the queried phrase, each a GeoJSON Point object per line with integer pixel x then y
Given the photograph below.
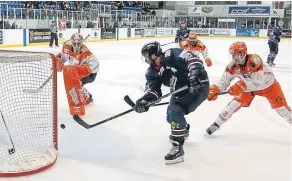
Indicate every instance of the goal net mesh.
{"type": "Point", "coordinates": [28, 121]}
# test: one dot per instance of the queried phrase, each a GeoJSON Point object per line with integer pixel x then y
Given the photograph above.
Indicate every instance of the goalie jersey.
{"type": "Point", "coordinates": [83, 57]}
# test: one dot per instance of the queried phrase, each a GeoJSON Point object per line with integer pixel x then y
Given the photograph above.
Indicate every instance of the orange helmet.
{"type": "Point", "coordinates": [193, 38]}
{"type": "Point", "coordinates": [238, 50]}
{"type": "Point", "coordinates": [193, 35]}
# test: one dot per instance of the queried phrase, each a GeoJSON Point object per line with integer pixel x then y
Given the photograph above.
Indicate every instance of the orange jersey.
{"type": "Point", "coordinates": [83, 57]}
{"type": "Point", "coordinates": [199, 47]}
{"type": "Point", "coordinates": [254, 73]}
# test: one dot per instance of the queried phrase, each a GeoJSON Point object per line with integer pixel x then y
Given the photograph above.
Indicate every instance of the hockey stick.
{"type": "Point", "coordinates": [39, 89]}
{"type": "Point", "coordinates": [167, 43]}
{"type": "Point", "coordinates": [80, 121]}
{"type": "Point", "coordinates": [222, 93]}
{"type": "Point", "coordinates": [10, 150]}
{"type": "Point", "coordinates": [129, 101]}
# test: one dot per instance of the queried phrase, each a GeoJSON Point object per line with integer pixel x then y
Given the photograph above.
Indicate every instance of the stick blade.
{"type": "Point", "coordinates": [80, 121]}
{"type": "Point", "coordinates": [31, 90]}
{"type": "Point", "coordinates": [222, 93]}
{"type": "Point", "coordinates": [129, 101]}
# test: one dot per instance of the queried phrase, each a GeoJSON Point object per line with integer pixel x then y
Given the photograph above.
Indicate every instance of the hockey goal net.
{"type": "Point", "coordinates": [28, 112]}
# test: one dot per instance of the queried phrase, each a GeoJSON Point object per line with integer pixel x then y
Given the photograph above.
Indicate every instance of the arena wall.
{"type": "Point", "coordinates": [37, 37]}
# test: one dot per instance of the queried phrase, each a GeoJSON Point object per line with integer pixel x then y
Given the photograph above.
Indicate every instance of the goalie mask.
{"type": "Point", "coordinates": [76, 42]}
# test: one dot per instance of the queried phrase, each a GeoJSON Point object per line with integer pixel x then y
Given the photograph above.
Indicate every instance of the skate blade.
{"type": "Point", "coordinates": [177, 160]}
{"type": "Point", "coordinates": [207, 135]}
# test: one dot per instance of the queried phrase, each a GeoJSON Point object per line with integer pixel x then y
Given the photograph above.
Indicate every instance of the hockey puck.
{"type": "Point", "coordinates": [63, 126]}
{"type": "Point", "coordinates": [11, 151]}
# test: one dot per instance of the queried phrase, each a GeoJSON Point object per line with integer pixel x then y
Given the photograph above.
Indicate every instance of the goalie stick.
{"type": "Point", "coordinates": [10, 150]}
{"type": "Point", "coordinates": [80, 121]}
{"type": "Point", "coordinates": [39, 89]}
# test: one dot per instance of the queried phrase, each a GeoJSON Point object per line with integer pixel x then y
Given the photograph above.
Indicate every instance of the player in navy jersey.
{"type": "Point", "coordinates": [273, 42]}
{"type": "Point", "coordinates": [182, 33]}
{"type": "Point", "coordinates": [174, 68]}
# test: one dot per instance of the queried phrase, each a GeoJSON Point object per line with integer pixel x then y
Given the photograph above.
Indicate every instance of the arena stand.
{"type": "Point", "coordinates": [121, 20]}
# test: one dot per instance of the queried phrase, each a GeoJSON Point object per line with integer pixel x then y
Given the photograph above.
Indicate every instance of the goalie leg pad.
{"type": "Point", "coordinates": [73, 92]}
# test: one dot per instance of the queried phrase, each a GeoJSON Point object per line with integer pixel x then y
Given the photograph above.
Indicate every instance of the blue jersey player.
{"type": "Point", "coordinates": [174, 68]}
{"type": "Point", "coordinates": [182, 33]}
{"type": "Point", "coordinates": [273, 42]}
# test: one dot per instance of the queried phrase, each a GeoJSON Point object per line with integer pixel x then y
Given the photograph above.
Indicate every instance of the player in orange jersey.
{"type": "Point", "coordinates": [81, 69]}
{"type": "Point", "coordinates": [192, 43]}
{"type": "Point", "coordinates": [256, 79]}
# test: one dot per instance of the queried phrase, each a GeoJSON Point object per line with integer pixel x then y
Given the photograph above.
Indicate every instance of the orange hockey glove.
{"type": "Point", "coordinates": [214, 89]}
{"type": "Point", "coordinates": [238, 88]}
{"type": "Point", "coordinates": [208, 62]}
{"type": "Point", "coordinates": [58, 62]}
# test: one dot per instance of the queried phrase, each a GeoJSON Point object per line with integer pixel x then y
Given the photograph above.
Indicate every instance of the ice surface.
{"type": "Point", "coordinates": [254, 145]}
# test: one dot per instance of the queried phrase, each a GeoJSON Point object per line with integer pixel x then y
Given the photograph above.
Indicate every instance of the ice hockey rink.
{"type": "Point", "coordinates": [254, 145]}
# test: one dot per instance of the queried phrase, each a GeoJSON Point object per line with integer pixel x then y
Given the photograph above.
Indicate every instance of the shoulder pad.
{"type": "Point", "coordinates": [168, 53]}
{"type": "Point", "coordinates": [200, 44]}
{"type": "Point", "coordinates": [230, 67]}
{"type": "Point", "coordinates": [84, 48]}
{"type": "Point", "coordinates": [191, 54]}
{"type": "Point", "coordinates": [256, 60]}
{"type": "Point", "coordinates": [66, 47]}
{"type": "Point", "coordinates": [151, 73]}
{"type": "Point", "coordinates": [176, 52]}
{"type": "Point", "coordinates": [67, 43]}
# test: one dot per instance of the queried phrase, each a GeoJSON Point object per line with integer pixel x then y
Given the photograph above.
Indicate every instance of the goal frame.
{"type": "Point", "coordinates": [55, 122]}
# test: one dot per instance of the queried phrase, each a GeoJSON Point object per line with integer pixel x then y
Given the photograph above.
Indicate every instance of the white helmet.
{"type": "Point", "coordinates": [76, 42]}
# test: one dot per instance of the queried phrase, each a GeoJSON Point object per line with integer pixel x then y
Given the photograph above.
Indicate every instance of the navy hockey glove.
{"type": "Point", "coordinates": [141, 106]}
{"type": "Point", "coordinates": [194, 82]}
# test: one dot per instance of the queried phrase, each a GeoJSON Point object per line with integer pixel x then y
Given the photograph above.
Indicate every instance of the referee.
{"type": "Point", "coordinates": [54, 34]}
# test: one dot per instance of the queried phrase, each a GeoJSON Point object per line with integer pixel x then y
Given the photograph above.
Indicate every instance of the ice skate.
{"type": "Point", "coordinates": [176, 154]}
{"type": "Point", "coordinates": [214, 127]}
{"type": "Point", "coordinates": [87, 95]}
